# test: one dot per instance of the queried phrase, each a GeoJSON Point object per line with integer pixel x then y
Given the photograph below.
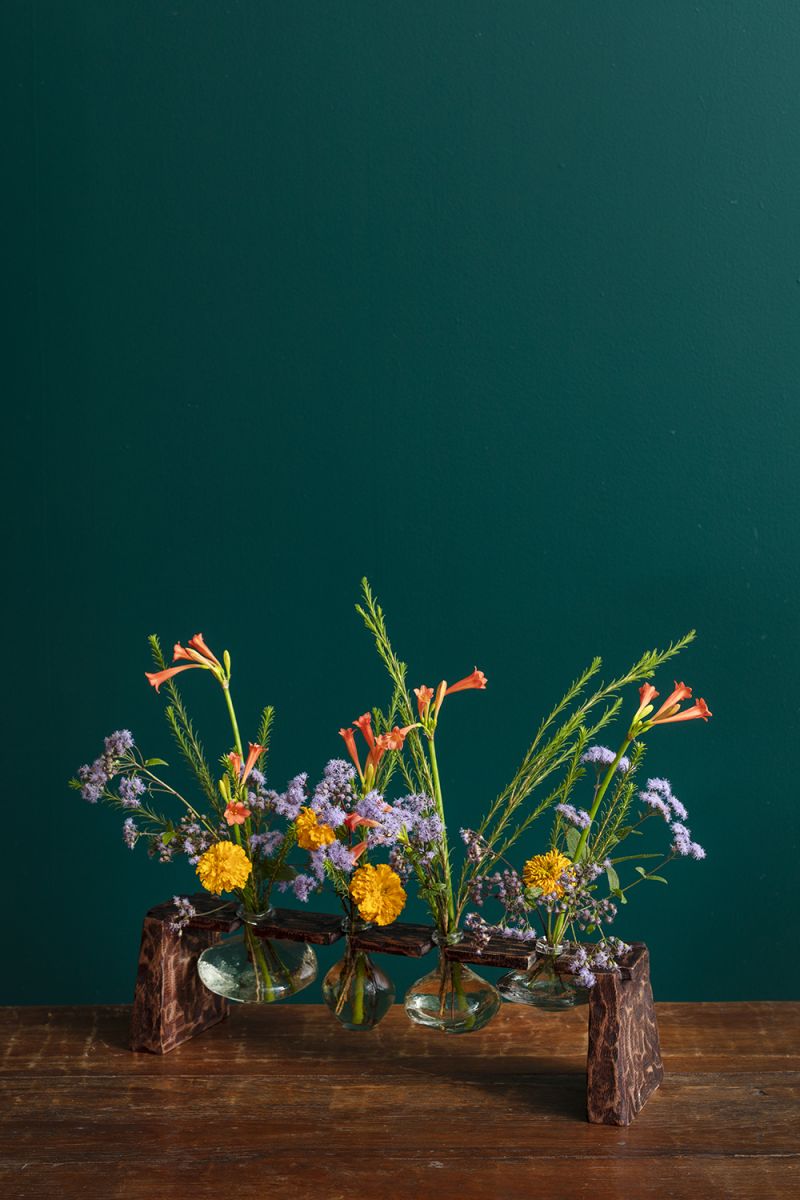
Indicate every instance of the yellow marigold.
{"type": "Point", "coordinates": [223, 868]}
{"type": "Point", "coordinates": [310, 834]}
{"type": "Point", "coordinates": [545, 870]}
{"type": "Point", "coordinates": [378, 894]}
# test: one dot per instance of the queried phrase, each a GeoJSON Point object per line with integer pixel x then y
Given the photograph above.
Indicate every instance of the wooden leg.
{"type": "Point", "coordinates": [170, 1004]}
{"type": "Point", "coordinates": [624, 1066]}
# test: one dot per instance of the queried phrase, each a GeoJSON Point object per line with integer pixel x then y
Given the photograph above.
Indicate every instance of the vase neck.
{"type": "Point", "coordinates": [547, 949]}
{"type": "Point", "coordinates": [442, 939]}
{"type": "Point", "coordinates": [255, 918]}
{"type": "Point", "coordinates": [352, 925]}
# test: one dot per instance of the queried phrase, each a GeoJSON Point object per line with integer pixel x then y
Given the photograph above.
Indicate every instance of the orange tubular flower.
{"type": "Point", "coordinates": [358, 850]}
{"type": "Point", "coordinates": [698, 709]}
{"type": "Point", "coordinates": [365, 725]}
{"type": "Point", "coordinates": [647, 693]}
{"type": "Point", "coordinates": [236, 762]}
{"type": "Point", "coordinates": [476, 680]}
{"type": "Point", "coordinates": [254, 752]}
{"type": "Point", "coordinates": [424, 696]}
{"type": "Point", "coordinates": [681, 692]}
{"type": "Point", "coordinates": [156, 678]}
{"type": "Point", "coordinates": [198, 655]}
{"type": "Point", "coordinates": [236, 813]}
{"type": "Point", "coordinates": [350, 742]}
{"type": "Point", "coordinates": [395, 738]}
{"type": "Point", "coordinates": [353, 820]}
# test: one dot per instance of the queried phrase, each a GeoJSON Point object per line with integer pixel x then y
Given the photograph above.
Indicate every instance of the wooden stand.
{"type": "Point", "coordinates": [171, 1005]}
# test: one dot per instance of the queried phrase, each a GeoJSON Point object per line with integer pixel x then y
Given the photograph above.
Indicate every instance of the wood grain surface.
{"type": "Point", "coordinates": [282, 1102]}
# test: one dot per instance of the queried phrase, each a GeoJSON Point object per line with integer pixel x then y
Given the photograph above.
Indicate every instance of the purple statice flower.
{"type": "Point", "coordinates": [302, 886]}
{"type": "Point", "coordinates": [657, 803]}
{"type": "Point", "coordinates": [93, 778]}
{"type": "Point", "coordinates": [477, 848]}
{"type": "Point", "coordinates": [328, 812]}
{"type": "Point", "coordinates": [682, 839]}
{"type": "Point", "coordinates": [118, 744]}
{"type": "Point", "coordinates": [340, 857]}
{"type": "Point", "coordinates": [293, 799]}
{"type": "Point", "coordinates": [682, 843]}
{"type": "Point", "coordinates": [130, 833]}
{"type": "Point", "coordinates": [184, 914]}
{"type": "Point", "coordinates": [391, 819]}
{"type": "Point", "coordinates": [131, 788]}
{"type": "Point", "coordinates": [192, 839]}
{"type": "Point", "coordinates": [372, 806]}
{"type": "Point", "coordinates": [479, 930]}
{"type": "Point", "coordinates": [584, 978]}
{"type": "Point", "coordinates": [427, 829]}
{"type": "Point", "coordinates": [601, 756]}
{"type": "Point", "coordinates": [265, 844]}
{"type": "Point", "coordinates": [663, 788]}
{"type": "Point", "coordinates": [578, 817]}
{"type": "Point", "coordinates": [335, 793]}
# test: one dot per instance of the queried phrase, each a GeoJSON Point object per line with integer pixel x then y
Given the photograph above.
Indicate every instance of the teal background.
{"type": "Point", "coordinates": [495, 303]}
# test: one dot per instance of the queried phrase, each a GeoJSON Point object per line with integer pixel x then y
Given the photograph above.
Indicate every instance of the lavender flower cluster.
{"type": "Point", "coordinates": [261, 799]}
{"type": "Point", "coordinates": [575, 900]}
{"type": "Point", "coordinates": [658, 797]}
{"type": "Point", "coordinates": [604, 955]}
{"type": "Point", "coordinates": [336, 797]}
{"type": "Point", "coordinates": [94, 777]}
{"type": "Point", "coordinates": [601, 756]}
{"type": "Point", "coordinates": [185, 912]}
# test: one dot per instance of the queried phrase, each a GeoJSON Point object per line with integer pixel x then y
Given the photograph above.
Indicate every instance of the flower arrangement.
{"type": "Point", "coordinates": [238, 836]}
{"type": "Point", "coordinates": [560, 885]}
{"type": "Point", "coordinates": [370, 849]}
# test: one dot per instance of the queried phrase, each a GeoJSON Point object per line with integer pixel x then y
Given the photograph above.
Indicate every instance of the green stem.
{"type": "Point", "coordinates": [437, 789]}
{"type": "Point", "coordinates": [561, 923]}
{"type": "Point", "coordinates": [358, 990]}
{"type": "Point", "coordinates": [232, 714]}
{"type": "Point", "coordinates": [598, 799]}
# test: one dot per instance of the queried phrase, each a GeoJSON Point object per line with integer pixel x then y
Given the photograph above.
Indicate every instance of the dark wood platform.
{"type": "Point", "coordinates": [274, 1102]}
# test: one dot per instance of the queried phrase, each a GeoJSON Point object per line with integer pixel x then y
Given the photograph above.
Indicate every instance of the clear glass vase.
{"type": "Point", "coordinates": [358, 993]}
{"type": "Point", "coordinates": [543, 985]}
{"type": "Point", "coordinates": [253, 969]}
{"type": "Point", "coordinates": [451, 997]}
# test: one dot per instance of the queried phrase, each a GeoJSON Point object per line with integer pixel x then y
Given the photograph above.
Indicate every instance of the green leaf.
{"type": "Point", "coordinates": [532, 894]}
{"type": "Point", "coordinates": [572, 837]}
{"type": "Point", "coordinates": [620, 895]}
{"type": "Point", "coordinates": [168, 836]}
{"type": "Point", "coordinates": [285, 873]}
{"type": "Point", "coordinates": [155, 762]}
{"type": "Point", "coordinates": [657, 878]}
{"type": "Point", "coordinates": [613, 879]}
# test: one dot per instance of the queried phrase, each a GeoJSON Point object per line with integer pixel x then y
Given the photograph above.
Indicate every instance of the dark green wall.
{"type": "Point", "coordinates": [496, 303]}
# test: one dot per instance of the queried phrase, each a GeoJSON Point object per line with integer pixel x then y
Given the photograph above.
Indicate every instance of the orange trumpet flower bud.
{"type": "Point", "coordinates": [424, 696]}
{"type": "Point", "coordinates": [365, 725]}
{"type": "Point", "coordinates": [476, 680]}
{"type": "Point", "coordinates": [254, 752]}
{"type": "Point", "coordinates": [156, 678]}
{"type": "Point", "coordinates": [698, 709]}
{"type": "Point", "coordinates": [350, 742]}
{"type": "Point", "coordinates": [236, 762]}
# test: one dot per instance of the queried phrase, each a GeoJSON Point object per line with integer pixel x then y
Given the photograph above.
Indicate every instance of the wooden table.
{"type": "Point", "coordinates": [280, 1102]}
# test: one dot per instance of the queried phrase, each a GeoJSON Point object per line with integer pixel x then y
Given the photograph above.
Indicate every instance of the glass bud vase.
{"type": "Point", "coordinates": [253, 969]}
{"type": "Point", "coordinates": [451, 997]}
{"type": "Point", "coordinates": [542, 985]}
{"type": "Point", "coordinates": [358, 993]}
